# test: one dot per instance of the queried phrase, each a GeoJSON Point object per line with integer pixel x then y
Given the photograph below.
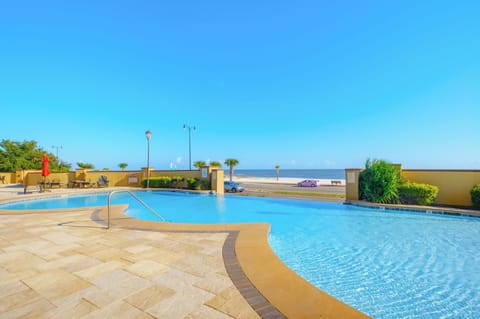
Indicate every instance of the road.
{"type": "Point", "coordinates": [319, 193]}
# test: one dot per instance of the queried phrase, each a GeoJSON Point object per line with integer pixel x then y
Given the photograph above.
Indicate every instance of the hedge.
{"type": "Point", "coordinates": [475, 194]}
{"type": "Point", "coordinates": [163, 181]}
{"type": "Point", "coordinates": [177, 182]}
{"type": "Point", "coordinates": [417, 194]}
{"type": "Point", "coordinates": [198, 184]}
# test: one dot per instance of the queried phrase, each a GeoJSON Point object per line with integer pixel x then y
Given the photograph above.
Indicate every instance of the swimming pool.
{"type": "Point", "coordinates": [388, 264]}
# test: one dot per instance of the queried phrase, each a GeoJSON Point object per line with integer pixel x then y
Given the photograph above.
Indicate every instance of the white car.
{"type": "Point", "coordinates": [232, 187]}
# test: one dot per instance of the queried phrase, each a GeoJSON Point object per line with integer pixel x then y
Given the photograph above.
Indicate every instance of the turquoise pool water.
{"type": "Point", "coordinates": [388, 264]}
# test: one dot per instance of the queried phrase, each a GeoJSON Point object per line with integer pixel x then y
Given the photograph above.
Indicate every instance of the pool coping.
{"type": "Point", "coordinates": [271, 288]}
{"type": "Point", "coordinates": [283, 289]}
{"type": "Point", "coordinates": [416, 208]}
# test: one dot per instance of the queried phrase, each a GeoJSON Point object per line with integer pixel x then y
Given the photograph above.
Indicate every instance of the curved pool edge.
{"type": "Point", "coordinates": [284, 289]}
{"type": "Point", "coordinates": [257, 262]}
{"type": "Point", "coordinates": [416, 208]}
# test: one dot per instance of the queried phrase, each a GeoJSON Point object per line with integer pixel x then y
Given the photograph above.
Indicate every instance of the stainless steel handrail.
{"type": "Point", "coordinates": [138, 199]}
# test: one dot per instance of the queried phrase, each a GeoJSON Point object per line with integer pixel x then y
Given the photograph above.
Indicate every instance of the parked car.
{"type": "Point", "coordinates": [232, 187]}
{"type": "Point", "coordinates": [307, 183]}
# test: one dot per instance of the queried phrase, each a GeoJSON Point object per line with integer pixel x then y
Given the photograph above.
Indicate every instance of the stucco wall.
{"type": "Point", "coordinates": [454, 185]}
{"type": "Point", "coordinates": [8, 178]}
{"type": "Point", "coordinates": [116, 178]}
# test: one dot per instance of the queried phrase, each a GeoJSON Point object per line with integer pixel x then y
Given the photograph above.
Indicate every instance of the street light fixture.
{"type": "Point", "coordinates": [57, 147]}
{"type": "Point", "coordinates": [148, 134]}
{"type": "Point", "coordinates": [185, 126]}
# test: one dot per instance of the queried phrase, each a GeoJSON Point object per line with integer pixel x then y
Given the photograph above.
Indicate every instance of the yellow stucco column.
{"type": "Point", "coordinates": [217, 177]}
{"type": "Point", "coordinates": [351, 188]}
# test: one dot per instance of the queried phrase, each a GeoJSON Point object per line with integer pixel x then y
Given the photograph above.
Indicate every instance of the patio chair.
{"type": "Point", "coordinates": [102, 181]}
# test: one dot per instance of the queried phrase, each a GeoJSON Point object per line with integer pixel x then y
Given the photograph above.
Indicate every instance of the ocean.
{"type": "Point", "coordinates": [294, 173]}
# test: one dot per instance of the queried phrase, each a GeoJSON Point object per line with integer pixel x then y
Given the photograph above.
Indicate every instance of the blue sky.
{"type": "Point", "coordinates": [300, 84]}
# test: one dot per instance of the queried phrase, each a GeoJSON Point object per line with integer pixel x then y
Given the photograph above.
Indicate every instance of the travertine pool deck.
{"type": "Point", "coordinates": [66, 264]}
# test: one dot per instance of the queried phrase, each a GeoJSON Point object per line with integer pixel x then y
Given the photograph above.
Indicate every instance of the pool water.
{"type": "Point", "coordinates": [387, 264]}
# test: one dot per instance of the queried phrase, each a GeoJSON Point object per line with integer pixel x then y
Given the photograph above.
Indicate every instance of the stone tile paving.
{"type": "Point", "coordinates": [65, 265]}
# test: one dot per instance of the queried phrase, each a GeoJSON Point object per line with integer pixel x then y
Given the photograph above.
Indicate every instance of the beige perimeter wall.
{"type": "Point", "coordinates": [454, 185]}
{"type": "Point", "coordinates": [117, 178]}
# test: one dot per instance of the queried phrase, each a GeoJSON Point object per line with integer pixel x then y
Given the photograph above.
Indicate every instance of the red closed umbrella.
{"type": "Point", "coordinates": [45, 171]}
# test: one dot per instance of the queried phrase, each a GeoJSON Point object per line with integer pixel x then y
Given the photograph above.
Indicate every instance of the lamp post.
{"type": "Point", "coordinates": [57, 147]}
{"type": "Point", "coordinates": [185, 126]}
{"type": "Point", "coordinates": [148, 134]}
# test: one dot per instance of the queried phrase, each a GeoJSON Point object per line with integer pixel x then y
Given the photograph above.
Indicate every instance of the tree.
{"type": "Point", "coordinates": [122, 166]}
{"type": "Point", "coordinates": [215, 164]}
{"type": "Point", "coordinates": [199, 164]}
{"type": "Point", "coordinates": [15, 156]}
{"type": "Point", "coordinates": [277, 168]}
{"type": "Point", "coordinates": [85, 165]}
{"type": "Point", "coordinates": [231, 162]}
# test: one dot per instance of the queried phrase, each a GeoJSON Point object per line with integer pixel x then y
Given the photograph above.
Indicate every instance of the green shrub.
{"type": "Point", "coordinates": [379, 182]}
{"type": "Point", "coordinates": [191, 182]}
{"type": "Point", "coordinates": [475, 194]}
{"type": "Point", "coordinates": [202, 185]}
{"type": "Point", "coordinates": [197, 184]}
{"type": "Point", "coordinates": [163, 181]}
{"type": "Point", "coordinates": [417, 194]}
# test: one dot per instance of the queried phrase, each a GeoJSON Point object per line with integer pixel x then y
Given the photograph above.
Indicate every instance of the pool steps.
{"type": "Point", "coordinates": [137, 199]}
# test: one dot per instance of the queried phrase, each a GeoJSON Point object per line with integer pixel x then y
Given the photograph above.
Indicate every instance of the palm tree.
{"type": "Point", "coordinates": [231, 162]}
{"type": "Point", "coordinates": [277, 168]}
{"type": "Point", "coordinates": [199, 164]}
{"type": "Point", "coordinates": [122, 166]}
{"type": "Point", "coordinates": [215, 164]}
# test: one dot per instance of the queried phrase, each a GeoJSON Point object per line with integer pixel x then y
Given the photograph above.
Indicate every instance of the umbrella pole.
{"type": "Point", "coordinates": [43, 190]}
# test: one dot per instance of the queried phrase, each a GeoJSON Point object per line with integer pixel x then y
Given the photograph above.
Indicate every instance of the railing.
{"type": "Point", "coordinates": [138, 199]}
